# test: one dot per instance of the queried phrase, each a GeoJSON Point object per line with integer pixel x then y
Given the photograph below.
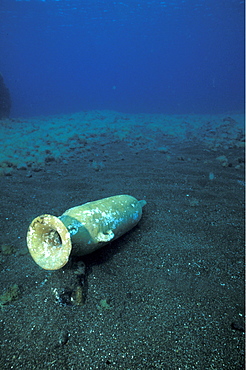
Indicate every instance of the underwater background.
{"type": "Point", "coordinates": [172, 56]}
{"type": "Point", "coordinates": [105, 98]}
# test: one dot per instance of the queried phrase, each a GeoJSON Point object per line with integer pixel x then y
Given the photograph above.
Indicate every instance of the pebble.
{"type": "Point", "coordinates": [22, 166]}
{"type": "Point", "coordinates": [223, 160]}
{"type": "Point", "coordinates": [63, 338]}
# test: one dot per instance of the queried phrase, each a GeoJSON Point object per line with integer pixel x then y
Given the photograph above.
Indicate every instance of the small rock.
{"type": "Point", "coordinates": [49, 159]}
{"type": "Point", "coordinates": [223, 160]}
{"type": "Point", "coordinates": [7, 249]}
{"type": "Point", "coordinates": [22, 166]}
{"type": "Point", "coordinates": [63, 338]}
{"type": "Point", "coordinates": [104, 305]}
{"type": "Point", "coordinates": [7, 171]}
{"type": "Point", "coordinates": [163, 149]}
{"type": "Point", "coordinates": [238, 326]}
{"type": "Point", "coordinates": [11, 294]}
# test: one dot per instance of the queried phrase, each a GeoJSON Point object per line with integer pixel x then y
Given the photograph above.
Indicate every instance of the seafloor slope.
{"type": "Point", "coordinates": [170, 293]}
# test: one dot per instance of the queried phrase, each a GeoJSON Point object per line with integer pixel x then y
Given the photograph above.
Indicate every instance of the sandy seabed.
{"type": "Point", "coordinates": [167, 295]}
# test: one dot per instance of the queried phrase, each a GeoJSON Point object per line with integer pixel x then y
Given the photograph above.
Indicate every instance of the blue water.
{"type": "Point", "coordinates": [174, 56]}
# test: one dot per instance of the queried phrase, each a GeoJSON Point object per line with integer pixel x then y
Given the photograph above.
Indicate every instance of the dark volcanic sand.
{"type": "Point", "coordinates": [174, 284]}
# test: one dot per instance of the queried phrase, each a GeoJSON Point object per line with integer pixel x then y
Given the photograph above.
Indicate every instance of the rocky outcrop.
{"type": "Point", "coordinates": [5, 99]}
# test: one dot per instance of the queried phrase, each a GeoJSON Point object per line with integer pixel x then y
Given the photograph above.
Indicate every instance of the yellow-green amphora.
{"type": "Point", "coordinates": [81, 230]}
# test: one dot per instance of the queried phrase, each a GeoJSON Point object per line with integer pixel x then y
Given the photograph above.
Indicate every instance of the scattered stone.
{"type": "Point", "coordinates": [71, 285]}
{"type": "Point", "coordinates": [49, 159]}
{"type": "Point", "coordinates": [6, 171]}
{"type": "Point", "coordinates": [7, 249]}
{"type": "Point", "coordinates": [22, 166]}
{"type": "Point", "coordinates": [97, 166]}
{"type": "Point", "coordinates": [163, 149]}
{"type": "Point", "coordinates": [64, 297]}
{"type": "Point", "coordinates": [11, 294]}
{"type": "Point", "coordinates": [211, 176]}
{"type": "Point", "coordinates": [237, 326]}
{"type": "Point", "coordinates": [238, 166]}
{"type": "Point", "coordinates": [223, 160]}
{"type": "Point", "coordinates": [104, 305]}
{"type": "Point", "coordinates": [63, 338]}
{"type": "Point", "coordinates": [22, 252]}
{"type": "Point", "coordinates": [77, 297]}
